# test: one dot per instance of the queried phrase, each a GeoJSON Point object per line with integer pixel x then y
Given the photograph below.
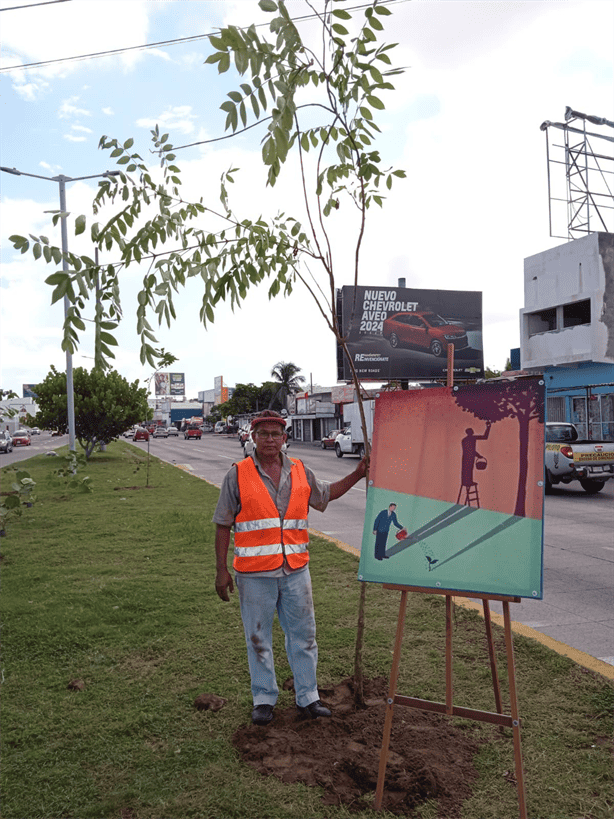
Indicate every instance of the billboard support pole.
{"type": "Point", "coordinates": [511, 720]}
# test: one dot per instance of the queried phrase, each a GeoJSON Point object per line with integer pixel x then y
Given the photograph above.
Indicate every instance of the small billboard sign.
{"type": "Point", "coordinates": [404, 333]}
{"type": "Point", "coordinates": [170, 383]}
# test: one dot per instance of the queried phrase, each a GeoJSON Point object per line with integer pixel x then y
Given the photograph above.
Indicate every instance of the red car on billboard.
{"type": "Point", "coordinates": [424, 330]}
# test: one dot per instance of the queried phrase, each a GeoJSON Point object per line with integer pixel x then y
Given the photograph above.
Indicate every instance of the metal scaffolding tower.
{"type": "Point", "coordinates": [586, 202]}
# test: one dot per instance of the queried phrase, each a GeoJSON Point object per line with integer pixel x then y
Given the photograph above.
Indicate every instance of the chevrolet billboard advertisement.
{"type": "Point", "coordinates": [395, 333]}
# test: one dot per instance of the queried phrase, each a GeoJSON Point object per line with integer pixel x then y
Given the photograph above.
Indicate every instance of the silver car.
{"type": "Point", "coordinates": [172, 431]}
{"type": "Point", "coordinates": [6, 442]}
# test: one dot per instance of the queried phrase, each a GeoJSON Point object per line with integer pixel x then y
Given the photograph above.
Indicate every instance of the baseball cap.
{"type": "Point", "coordinates": [268, 416]}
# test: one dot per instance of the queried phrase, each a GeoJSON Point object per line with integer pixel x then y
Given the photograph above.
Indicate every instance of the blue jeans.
{"type": "Point", "coordinates": [289, 595]}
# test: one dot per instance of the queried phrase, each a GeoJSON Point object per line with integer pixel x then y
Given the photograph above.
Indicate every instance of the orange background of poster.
{"type": "Point", "coordinates": [417, 450]}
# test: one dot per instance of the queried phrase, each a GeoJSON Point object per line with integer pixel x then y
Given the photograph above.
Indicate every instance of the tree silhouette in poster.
{"type": "Point", "coordinates": [519, 400]}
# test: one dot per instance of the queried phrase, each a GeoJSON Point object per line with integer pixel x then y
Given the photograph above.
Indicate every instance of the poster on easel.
{"type": "Point", "coordinates": [455, 498]}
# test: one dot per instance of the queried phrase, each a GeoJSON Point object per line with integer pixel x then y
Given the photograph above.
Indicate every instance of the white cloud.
{"type": "Point", "coordinates": [108, 111]}
{"type": "Point", "coordinates": [81, 128]}
{"type": "Point", "coordinates": [49, 167]}
{"type": "Point", "coordinates": [69, 109]}
{"type": "Point", "coordinates": [178, 119]}
{"type": "Point", "coordinates": [72, 138]}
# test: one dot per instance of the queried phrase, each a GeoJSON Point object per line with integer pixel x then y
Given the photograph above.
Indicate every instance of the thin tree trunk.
{"type": "Point", "coordinates": [359, 681]}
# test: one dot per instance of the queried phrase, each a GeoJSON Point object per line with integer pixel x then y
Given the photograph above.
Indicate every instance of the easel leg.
{"type": "Point", "coordinates": [449, 683]}
{"type": "Point", "coordinates": [493, 657]}
{"type": "Point", "coordinates": [394, 676]}
{"type": "Point", "coordinates": [509, 645]}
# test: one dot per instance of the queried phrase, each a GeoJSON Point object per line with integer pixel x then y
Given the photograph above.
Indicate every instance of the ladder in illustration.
{"type": "Point", "coordinates": [471, 495]}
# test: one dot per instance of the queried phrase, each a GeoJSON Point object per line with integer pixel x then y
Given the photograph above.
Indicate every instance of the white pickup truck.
{"type": "Point", "coordinates": [568, 459]}
{"type": "Point", "coordinates": [351, 440]}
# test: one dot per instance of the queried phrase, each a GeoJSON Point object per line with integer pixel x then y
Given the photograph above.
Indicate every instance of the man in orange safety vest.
{"type": "Point", "coordinates": [266, 498]}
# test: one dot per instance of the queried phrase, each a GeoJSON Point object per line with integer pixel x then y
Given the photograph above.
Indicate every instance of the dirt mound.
{"type": "Point", "coordinates": [428, 758]}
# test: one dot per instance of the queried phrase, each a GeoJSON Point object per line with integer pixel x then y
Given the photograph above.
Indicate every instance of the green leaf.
{"type": "Point", "coordinates": [128, 143]}
{"type": "Point", "coordinates": [224, 63]}
{"type": "Point", "coordinates": [375, 102]}
{"type": "Point", "coordinates": [37, 250]}
{"type": "Point", "coordinates": [267, 5]}
{"type": "Point", "coordinates": [339, 29]}
{"type": "Point", "coordinates": [342, 14]}
{"type": "Point", "coordinates": [117, 152]}
{"type": "Point", "coordinates": [79, 224]}
{"type": "Point", "coordinates": [269, 153]}
{"type": "Point", "coordinates": [382, 10]}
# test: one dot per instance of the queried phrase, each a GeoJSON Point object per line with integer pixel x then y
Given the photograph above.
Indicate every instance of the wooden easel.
{"type": "Point", "coordinates": [499, 718]}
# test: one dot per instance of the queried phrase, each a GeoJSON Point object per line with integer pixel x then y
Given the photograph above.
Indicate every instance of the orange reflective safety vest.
{"type": "Point", "coordinates": [262, 538]}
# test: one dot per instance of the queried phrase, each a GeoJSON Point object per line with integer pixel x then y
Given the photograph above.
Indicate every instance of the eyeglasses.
{"type": "Point", "coordinates": [274, 435]}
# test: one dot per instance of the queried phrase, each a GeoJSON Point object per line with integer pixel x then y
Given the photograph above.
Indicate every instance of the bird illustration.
{"type": "Point", "coordinates": [431, 561]}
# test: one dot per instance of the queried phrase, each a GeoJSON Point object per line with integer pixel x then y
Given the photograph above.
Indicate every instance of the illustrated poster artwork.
{"type": "Point", "coordinates": [455, 498]}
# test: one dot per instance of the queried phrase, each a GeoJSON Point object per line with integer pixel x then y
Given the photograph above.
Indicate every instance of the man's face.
{"type": "Point", "coordinates": [269, 438]}
{"type": "Point", "coordinates": [392, 507]}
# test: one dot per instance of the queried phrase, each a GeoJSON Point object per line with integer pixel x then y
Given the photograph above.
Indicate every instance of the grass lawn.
{"type": "Point", "coordinates": [116, 588]}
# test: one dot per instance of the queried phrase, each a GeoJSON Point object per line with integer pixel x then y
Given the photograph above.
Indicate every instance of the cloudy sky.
{"type": "Point", "coordinates": [463, 122]}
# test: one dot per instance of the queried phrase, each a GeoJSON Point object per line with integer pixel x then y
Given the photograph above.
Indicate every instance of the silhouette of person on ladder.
{"type": "Point", "coordinates": [470, 457]}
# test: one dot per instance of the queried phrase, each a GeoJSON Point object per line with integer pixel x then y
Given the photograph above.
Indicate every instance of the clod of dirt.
{"type": "Point", "coordinates": [76, 685]}
{"type": "Point", "coordinates": [428, 757]}
{"type": "Point", "coordinates": [209, 702]}
{"type": "Point", "coordinates": [288, 684]}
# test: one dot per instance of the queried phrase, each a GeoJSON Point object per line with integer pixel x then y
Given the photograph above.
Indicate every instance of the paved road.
{"type": "Point", "coordinates": [578, 604]}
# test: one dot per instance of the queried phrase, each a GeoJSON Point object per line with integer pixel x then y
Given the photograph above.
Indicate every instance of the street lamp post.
{"type": "Point", "coordinates": [62, 180]}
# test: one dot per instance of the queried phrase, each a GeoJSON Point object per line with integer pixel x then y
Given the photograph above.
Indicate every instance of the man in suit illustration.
{"type": "Point", "coordinates": [381, 527]}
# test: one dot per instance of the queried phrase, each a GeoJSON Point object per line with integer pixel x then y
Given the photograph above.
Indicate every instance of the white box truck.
{"type": "Point", "coordinates": [351, 441]}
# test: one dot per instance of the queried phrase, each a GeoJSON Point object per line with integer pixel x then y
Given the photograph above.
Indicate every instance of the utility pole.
{"type": "Point", "coordinates": [62, 180]}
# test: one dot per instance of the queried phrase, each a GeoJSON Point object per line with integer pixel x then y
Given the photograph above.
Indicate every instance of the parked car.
{"type": "Point", "coordinates": [35, 431]}
{"type": "Point", "coordinates": [219, 427]}
{"type": "Point", "coordinates": [160, 432]}
{"type": "Point", "coordinates": [568, 458]}
{"type": "Point", "coordinates": [193, 431]}
{"type": "Point", "coordinates": [6, 442]}
{"type": "Point", "coordinates": [328, 441]}
{"type": "Point", "coordinates": [21, 438]}
{"type": "Point", "coordinates": [141, 434]}
{"type": "Point", "coordinates": [424, 330]}
{"type": "Point", "coordinates": [172, 431]}
{"type": "Point", "coordinates": [129, 433]}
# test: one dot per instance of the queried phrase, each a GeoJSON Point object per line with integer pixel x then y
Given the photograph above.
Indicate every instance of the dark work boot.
{"type": "Point", "coordinates": [262, 714]}
{"type": "Point", "coordinates": [314, 710]}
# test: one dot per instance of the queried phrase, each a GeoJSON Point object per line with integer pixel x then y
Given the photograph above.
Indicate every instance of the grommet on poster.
{"type": "Point", "coordinates": [515, 723]}
{"type": "Point", "coordinates": [540, 483]}
{"type": "Point", "coordinates": [389, 700]}
{"type": "Point", "coordinates": [370, 483]}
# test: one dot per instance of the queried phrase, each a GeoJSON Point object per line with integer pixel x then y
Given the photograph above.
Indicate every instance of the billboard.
{"type": "Point", "coordinates": [28, 391]}
{"type": "Point", "coordinates": [398, 332]}
{"type": "Point", "coordinates": [455, 498]}
{"type": "Point", "coordinates": [170, 383]}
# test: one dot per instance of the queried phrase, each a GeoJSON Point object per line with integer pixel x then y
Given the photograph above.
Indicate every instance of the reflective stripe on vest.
{"type": "Point", "coordinates": [261, 536]}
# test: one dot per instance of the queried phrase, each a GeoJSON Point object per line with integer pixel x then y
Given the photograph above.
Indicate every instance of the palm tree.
{"type": "Point", "coordinates": [287, 376]}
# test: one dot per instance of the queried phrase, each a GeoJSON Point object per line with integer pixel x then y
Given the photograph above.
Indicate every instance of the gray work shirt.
{"type": "Point", "coordinates": [229, 503]}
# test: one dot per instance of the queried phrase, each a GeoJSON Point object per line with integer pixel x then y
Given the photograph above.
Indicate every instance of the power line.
{"type": "Point", "coordinates": [30, 5]}
{"type": "Point", "coordinates": [195, 37]}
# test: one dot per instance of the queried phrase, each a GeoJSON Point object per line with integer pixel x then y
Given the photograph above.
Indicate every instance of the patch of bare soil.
{"type": "Point", "coordinates": [428, 757]}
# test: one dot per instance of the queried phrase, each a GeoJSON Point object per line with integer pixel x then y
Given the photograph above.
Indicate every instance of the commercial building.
{"type": "Point", "coordinates": [567, 331]}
